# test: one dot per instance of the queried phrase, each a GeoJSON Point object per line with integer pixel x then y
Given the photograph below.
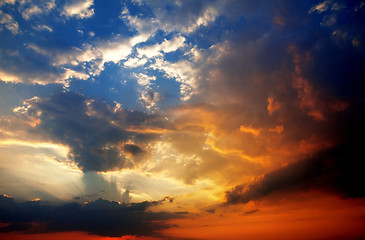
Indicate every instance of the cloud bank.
{"type": "Point", "coordinates": [100, 217]}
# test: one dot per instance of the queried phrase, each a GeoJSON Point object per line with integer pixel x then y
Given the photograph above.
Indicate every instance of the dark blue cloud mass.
{"type": "Point", "coordinates": [94, 131]}
{"type": "Point", "coordinates": [100, 217]}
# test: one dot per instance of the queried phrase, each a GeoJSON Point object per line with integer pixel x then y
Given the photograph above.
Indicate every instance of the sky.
{"type": "Point", "coordinates": [182, 120]}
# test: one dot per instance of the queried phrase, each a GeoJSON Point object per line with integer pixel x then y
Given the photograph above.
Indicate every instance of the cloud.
{"type": "Point", "coordinates": [272, 105]}
{"type": "Point", "coordinates": [46, 65]}
{"type": "Point", "coordinates": [143, 79]}
{"type": "Point", "coordinates": [185, 16]}
{"type": "Point", "coordinates": [79, 9]}
{"type": "Point", "coordinates": [166, 46]}
{"type": "Point", "coordinates": [135, 62]}
{"type": "Point", "coordinates": [100, 217]}
{"type": "Point", "coordinates": [321, 7]}
{"type": "Point", "coordinates": [10, 2]}
{"type": "Point", "coordinates": [133, 149]}
{"type": "Point", "coordinates": [28, 9]}
{"type": "Point", "coordinates": [251, 130]}
{"type": "Point", "coordinates": [337, 170]}
{"type": "Point", "coordinates": [148, 97]}
{"type": "Point", "coordinates": [6, 77]}
{"type": "Point", "coordinates": [34, 10]}
{"type": "Point", "coordinates": [59, 63]}
{"type": "Point", "coordinates": [43, 27]}
{"type": "Point", "coordinates": [114, 51]}
{"type": "Point", "coordinates": [7, 21]}
{"type": "Point", "coordinates": [182, 71]}
{"type": "Point", "coordinates": [93, 130]}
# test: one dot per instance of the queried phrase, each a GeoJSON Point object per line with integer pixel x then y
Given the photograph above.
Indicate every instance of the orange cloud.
{"type": "Point", "coordinates": [272, 105]}
{"type": "Point", "coordinates": [253, 131]}
{"type": "Point", "coordinates": [278, 129]}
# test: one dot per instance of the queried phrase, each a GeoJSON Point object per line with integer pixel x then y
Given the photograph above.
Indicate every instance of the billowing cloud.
{"type": "Point", "coordinates": [100, 217]}
{"type": "Point", "coordinates": [93, 130]}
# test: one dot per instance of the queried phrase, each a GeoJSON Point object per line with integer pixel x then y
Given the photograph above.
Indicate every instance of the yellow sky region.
{"type": "Point", "coordinates": [229, 132]}
{"type": "Point", "coordinates": [39, 170]}
{"type": "Point", "coordinates": [31, 170]}
{"type": "Point", "coordinates": [144, 186]}
{"type": "Point", "coordinates": [309, 216]}
{"type": "Point", "coordinates": [204, 152]}
{"type": "Point", "coordinates": [58, 148]}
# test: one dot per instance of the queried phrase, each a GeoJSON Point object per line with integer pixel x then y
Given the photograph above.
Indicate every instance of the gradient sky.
{"type": "Point", "coordinates": [222, 119]}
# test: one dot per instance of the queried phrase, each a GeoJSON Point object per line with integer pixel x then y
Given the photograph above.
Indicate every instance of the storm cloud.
{"type": "Point", "coordinates": [93, 130]}
{"type": "Point", "coordinates": [337, 170]}
{"type": "Point", "coordinates": [100, 217]}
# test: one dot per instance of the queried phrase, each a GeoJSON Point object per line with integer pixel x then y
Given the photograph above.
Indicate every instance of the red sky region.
{"type": "Point", "coordinates": [302, 217]}
{"type": "Point", "coordinates": [65, 235]}
{"type": "Point", "coordinates": [305, 216]}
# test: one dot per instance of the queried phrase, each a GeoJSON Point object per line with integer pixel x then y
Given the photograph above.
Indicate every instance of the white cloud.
{"type": "Point", "coordinates": [135, 62]}
{"type": "Point", "coordinates": [69, 73]}
{"type": "Point", "coordinates": [141, 25]}
{"type": "Point", "coordinates": [79, 9]}
{"type": "Point", "coordinates": [74, 56]}
{"type": "Point", "coordinates": [115, 51]}
{"type": "Point", "coordinates": [150, 51]}
{"type": "Point", "coordinates": [183, 72]}
{"type": "Point", "coordinates": [173, 44]}
{"type": "Point", "coordinates": [41, 78]}
{"type": "Point", "coordinates": [208, 16]}
{"type": "Point", "coordinates": [43, 27]}
{"type": "Point", "coordinates": [33, 10]}
{"type": "Point", "coordinates": [184, 16]}
{"type": "Point", "coordinates": [8, 77]}
{"type": "Point", "coordinates": [28, 11]}
{"type": "Point", "coordinates": [194, 54]}
{"type": "Point", "coordinates": [149, 99]}
{"type": "Point", "coordinates": [119, 50]}
{"type": "Point", "coordinates": [143, 79]}
{"type": "Point", "coordinates": [94, 55]}
{"type": "Point", "coordinates": [8, 22]}
{"type": "Point", "coordinates": [166, 46]}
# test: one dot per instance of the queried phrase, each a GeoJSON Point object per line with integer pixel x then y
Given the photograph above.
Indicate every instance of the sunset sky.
{"type": "Point", "coordinates": [185, 119]}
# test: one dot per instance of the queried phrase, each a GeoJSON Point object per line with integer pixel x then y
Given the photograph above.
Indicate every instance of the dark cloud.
{"type": "Point", "coordinates": [251, 212]}
{"type": "Point", "coordinates": [93, 130]}
{"type": "Point", "coordinates": [101, 217]}
{"type": "Point", "coordinates": [133, 149]}
{"type": "Point", "coordinates": [285, 53]}
{"type": "Point", "coordinates": [337, 170]}
{"type": "Point", "coordinates": [211, 210]}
